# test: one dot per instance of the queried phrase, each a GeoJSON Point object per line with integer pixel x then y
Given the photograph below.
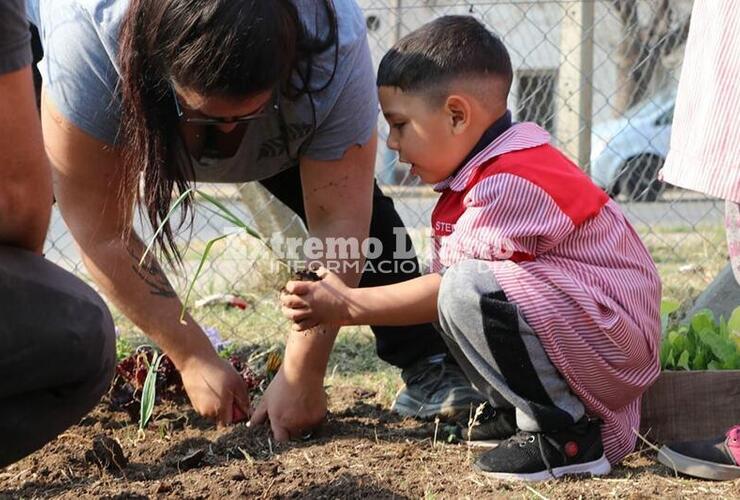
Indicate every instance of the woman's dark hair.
{"type": "Point", "coordinates": [224, 48]}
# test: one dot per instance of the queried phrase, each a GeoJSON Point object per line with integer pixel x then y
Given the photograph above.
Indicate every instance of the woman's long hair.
{"type": "Point", "coordinates": [223, 48]}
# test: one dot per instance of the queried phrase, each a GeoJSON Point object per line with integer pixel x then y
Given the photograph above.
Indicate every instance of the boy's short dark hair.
{"type": "Point", "coordinates": [448, 48]}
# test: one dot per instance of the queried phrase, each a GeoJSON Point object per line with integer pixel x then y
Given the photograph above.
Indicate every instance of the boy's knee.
{"type": "Point", "coordinates": [458, 290]}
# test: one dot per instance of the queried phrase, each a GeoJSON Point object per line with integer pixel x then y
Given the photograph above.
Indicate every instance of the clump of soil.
{"type": "Point", "coordinates": [106, 453]}
{"type": "Point", "coordinates": [191, 459]}
{"type": "Point", "coordinates": [305, 275]}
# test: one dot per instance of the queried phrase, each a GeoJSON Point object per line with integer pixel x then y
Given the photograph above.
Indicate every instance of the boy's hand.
{"type": "Point", "coordinates": [327, 302]}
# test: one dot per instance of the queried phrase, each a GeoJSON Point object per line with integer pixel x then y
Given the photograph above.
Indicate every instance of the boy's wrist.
{"type": "Point", "coordinates": [355, 306]}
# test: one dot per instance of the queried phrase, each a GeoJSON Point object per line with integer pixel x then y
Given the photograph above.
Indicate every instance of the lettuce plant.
{"type": "Point", "coordinates": [703, 343]}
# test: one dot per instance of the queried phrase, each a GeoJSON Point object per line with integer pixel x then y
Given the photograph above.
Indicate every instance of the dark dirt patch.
{"type": "Point", "coordinates": [363, 451]}
{"type": "Point", "coordinates": [106, 453]}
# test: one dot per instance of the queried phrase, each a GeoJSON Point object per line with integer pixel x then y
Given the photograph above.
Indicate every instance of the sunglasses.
{"type": "Point", "coordinates": [263, 112]}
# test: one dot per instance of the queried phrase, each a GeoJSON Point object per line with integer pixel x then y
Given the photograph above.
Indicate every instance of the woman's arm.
{"type": "Point", "coordinates": [87, 178]}
{"type": "Point", "coordinates": [338, 196]}
{"type": "Point", "coordinates": [338, 200]}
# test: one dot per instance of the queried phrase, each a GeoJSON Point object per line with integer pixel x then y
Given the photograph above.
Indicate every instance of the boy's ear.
{"type": "Point", "coordinates": [458, 109]}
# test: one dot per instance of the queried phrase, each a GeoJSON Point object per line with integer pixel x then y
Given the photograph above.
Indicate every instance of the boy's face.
{"type": "Point", "coordinates": [424, 137]}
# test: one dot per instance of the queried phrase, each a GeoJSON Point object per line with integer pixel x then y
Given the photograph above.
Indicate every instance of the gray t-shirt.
{"type": "Point", "coordinates": [15, 39]}
{"type": "Point", "coordinates": [81, 73]}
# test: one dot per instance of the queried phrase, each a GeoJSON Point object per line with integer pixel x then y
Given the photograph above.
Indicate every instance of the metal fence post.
{"type": "Point", "coordinates": [397, 14]}
{"type": "Point", "coordinates": [575, 89]}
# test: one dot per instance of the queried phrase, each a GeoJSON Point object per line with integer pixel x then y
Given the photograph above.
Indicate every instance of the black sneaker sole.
{"type": "Point", "coordinates": [696, 467]}
{"type": "Point", "coordinates": [598, 467]}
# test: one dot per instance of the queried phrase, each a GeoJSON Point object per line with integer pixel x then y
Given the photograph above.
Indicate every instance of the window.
{"type": "Point", "coordinates": [536, 97]}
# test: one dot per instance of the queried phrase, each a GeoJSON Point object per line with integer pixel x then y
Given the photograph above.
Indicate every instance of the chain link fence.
{"type": "Point", "coordinates": [600, 75]}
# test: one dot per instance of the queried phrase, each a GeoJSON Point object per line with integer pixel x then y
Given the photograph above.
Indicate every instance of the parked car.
{"type": "Point", "coordinates": [627, 153]}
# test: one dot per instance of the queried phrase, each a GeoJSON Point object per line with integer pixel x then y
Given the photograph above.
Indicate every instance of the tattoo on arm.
{"type": "Point", "coordinates": [150, 272]}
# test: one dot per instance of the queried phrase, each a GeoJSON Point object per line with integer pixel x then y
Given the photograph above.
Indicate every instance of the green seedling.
{"type": "Point", "coordinates": [149, 392]}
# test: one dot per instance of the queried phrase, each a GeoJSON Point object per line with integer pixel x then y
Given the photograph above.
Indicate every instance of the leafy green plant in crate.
{"type": "Point", "coordinates": [703, 343]}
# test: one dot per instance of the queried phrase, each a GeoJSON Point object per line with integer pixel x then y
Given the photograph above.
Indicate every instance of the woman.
{"type": "Point", "coordinates": [280, 92]}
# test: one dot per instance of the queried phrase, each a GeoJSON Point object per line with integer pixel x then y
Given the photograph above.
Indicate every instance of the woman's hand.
{"type": "Point", "coordinates": [215, 389]}
{"type": "Point", "coordinates": [310, 303]}
{"type": "Point", "coordinates": [294, 407]}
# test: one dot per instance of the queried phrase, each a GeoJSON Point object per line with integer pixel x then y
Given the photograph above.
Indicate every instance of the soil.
{"type": "Point", "coordinates": [304, 275]}
{"type": "Point", "coordinates": [363, 451]}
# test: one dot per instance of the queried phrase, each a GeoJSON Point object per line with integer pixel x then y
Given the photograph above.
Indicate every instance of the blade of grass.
{"type": "Point", "coordinates": [164, 222]}
{"type": "Point", "coordinates": [222, 212]}
{"type": "Point", "coordinates": [235, 222]}
{"type": "Point", "coordinates": [231, 215]}
{"type": "Point", "coordinates": [149, 392]}
{"type": "Point", "coordinates": [537, 493]}
{"type": "Point", "coordinates": [203, 258]}
{"type": "Point", "coordinates": [238, 223]}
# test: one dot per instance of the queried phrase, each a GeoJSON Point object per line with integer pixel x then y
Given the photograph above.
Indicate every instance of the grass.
{"type": "Point", "coordinates": [687, 258]}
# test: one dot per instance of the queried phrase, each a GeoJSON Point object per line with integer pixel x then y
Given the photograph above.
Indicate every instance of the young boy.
{"type": "Point", "coordinates": [544, 293]}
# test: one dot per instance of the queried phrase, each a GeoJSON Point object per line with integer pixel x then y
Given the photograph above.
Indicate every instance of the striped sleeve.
{"type": "Point", "coordinates": [506, 218]}
{"type": "Point", "coordinates": [705, 140]}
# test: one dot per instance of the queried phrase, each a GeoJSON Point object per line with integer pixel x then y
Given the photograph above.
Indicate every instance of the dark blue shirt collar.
{"type": "Point", "coordinates": [499, 127]}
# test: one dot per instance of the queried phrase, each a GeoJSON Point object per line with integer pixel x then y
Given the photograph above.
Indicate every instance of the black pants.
{"type": "Point", "coordinates": [399, 346]}
{"type": "Point", "coordinates": [57, 352]}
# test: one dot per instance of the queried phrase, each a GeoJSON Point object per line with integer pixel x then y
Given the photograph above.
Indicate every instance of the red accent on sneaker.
{"type": "Point", "coordinates": [571, 449]}
{"type": "Point", "coordinates": [733, 443]}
